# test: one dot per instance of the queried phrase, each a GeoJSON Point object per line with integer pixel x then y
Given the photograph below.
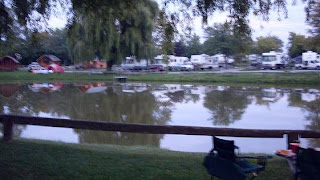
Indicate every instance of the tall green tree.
{"type": "Point", "coordinates": [194, 46]}
{"type": "Point", "coordinates": [109, 30]}
{"type": "Point", "coordinates": [313, 19]}
{"type": "Point", "coordinates": [297, 44]}
{"type": "Point", "coordinates": [220, 39]}
{"type": "Point", "coordinates": [179, 48]}
{"type": "Point", "coordinates": [270, 43]}
{"type": "Point", "coordinates": [34, 44]}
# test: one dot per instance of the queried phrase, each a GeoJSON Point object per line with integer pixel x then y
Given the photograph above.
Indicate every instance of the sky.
{"type": "Point", "coordinates": [294, 23]}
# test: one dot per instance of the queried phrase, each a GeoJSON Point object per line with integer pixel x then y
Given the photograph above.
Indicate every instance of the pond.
{"type": "Point", "coordinates": [248, 107]}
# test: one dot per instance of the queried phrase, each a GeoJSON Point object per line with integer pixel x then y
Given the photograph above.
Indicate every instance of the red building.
{"type": "Point", "coordinates": [8, 63]}
{"type": "Point", "coordinates": [46, 60]}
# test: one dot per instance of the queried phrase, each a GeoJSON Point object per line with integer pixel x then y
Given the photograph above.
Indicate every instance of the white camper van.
{"type": "Point", "coordinates": [223, 60]}
{"type": "Point", "coordinates": [309, 61]}
{"type": "Point", "coordinates": [254, 59]}
{"type": "Point", "coordinates": [203, 61]}
{"type": "Point", "coordinates": [273, 60]}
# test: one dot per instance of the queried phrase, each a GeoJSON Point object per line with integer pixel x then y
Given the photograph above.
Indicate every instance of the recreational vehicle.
{"type": "Point", "coordinates": [223, 60]}
{"type": "Point", "coordinates": [204, 61]}
{"type": "Point", "coordinates": [309, 61]}
{"type": "Point", "coordinates": [273, 60]}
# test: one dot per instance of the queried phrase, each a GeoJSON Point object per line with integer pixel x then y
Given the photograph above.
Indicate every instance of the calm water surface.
{"type": "Point", "coordinates": [164, 104]}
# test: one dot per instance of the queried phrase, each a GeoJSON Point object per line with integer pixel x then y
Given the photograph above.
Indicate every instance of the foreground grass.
{"type": "Point", "coordinates": [286, 78]}
{"type": "Point", "coordinates": [33, 159]}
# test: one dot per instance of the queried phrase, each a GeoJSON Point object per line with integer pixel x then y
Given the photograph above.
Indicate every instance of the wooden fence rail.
{"type": "Point", "coordinates": [9, 120]}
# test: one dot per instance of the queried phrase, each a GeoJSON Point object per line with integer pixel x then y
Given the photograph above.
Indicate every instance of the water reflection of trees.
{"type": "Point", "coordinates": [146, 104]}
{"type": "Point", "coordinates": [109, 104]}
{"type": "Point", "coordinates": [8, 98]}
{"type": "Point", "coordinates": [141, 107]}
{"type": "Point", "coordinates": [227, 105]}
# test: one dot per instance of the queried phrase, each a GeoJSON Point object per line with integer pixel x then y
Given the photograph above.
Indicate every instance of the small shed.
{"type": "Point", "coordinates": [95, 64]}
{"type": "Point", "coordinates": [46, 60]}
{"type": "Point", "coordinates": [99, 64]}
{"type": "Point", "coordinates": [8, 63]}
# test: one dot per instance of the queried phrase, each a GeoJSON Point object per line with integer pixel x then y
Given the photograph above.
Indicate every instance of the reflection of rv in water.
{"type": "Point", "coordinates": [134, 87]}
{"type": "Point", "coordinates": [310, 95]}
{"type": "Point", "coordinates": [159, 92]}
{"type": "Point", "coordinates": [174, 87]}
{"type": "Point", "coordinates": [45, 87]}
{"type": "Point", "coordinates": [270, 94]}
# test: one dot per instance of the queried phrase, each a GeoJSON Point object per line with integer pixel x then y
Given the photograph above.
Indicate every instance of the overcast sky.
{"type": "Point", "coordinates": [294, 23]}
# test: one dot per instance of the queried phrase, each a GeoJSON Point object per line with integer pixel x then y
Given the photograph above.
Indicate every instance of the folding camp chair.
{"type": "Point", "coordinates": [222, 162]}
{"type": "Point", "coordinates": [307, 164]}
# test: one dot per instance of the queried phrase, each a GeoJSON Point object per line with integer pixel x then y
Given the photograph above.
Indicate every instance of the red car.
{"type": "Point", "coordinates": [155, 68]}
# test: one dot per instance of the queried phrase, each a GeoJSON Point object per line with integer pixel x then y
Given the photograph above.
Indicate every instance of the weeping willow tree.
{"type": "Point", "coordinates": [112, 30]}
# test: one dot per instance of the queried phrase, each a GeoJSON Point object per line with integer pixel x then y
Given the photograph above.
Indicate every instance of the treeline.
{"type": "Point", "coordinates": [29, 46]}
{"type": "Point", "coordinates": [220, 38]}
{"type": "Point", "coordinates": [108, 31]}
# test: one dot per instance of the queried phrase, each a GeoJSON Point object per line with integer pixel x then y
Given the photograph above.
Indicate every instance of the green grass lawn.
{"type": "Point", "coordinates": [35, 159]}
{"type": "Point", "coordinates": [308, 78]}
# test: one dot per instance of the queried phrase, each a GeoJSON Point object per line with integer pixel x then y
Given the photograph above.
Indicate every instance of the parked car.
{"type": "Point", "coordinates": [137, 68]}
{"type": "Point", "coordinates": [155, 68]}
{"type": "Point", "coordinates": [187, 67]}
{"type": "Point", "coordinates": [34, 66]}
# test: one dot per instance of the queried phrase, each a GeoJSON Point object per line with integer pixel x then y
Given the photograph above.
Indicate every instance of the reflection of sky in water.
{"type": "Point", "coordinates": [273, 113]}
{"type": "Point", "coordinates": [50, 133]}
{"type": "Point", "coordinates": [276, 116]}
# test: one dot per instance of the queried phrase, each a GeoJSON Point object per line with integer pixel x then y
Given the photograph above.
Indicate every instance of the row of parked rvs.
{"type": "Point", "coordinates": [269, 60]}
{"type": "Point", "coordinates": [199, 62]}
{"type": "Point", "coordinates": [276, 60]}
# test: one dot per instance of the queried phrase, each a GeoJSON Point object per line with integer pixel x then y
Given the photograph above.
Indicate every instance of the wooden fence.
{"type": "Point", "coordinates": [9, 120]}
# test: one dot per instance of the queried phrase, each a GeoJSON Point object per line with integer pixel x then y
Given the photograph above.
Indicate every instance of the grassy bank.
{"type": "Point", "coordinates": [308, 78]}
{"type": "Point", "coordinates": [33, 159]}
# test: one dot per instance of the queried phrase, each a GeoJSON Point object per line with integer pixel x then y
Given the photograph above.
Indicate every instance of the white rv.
{"type": "Point", "coordinates": [172, 62]}
{"type": "Point", "coordinates": [204, 61]}
{"type": "Point", "coordinates": [132, 64]}
{"type": "Point", "coordinates": [175, 62]}
{"type": "Point", "coordinates": [273, 60]}
{"type": "Point", "coordinates": [254, 59]}
{"type": "Point", "coordinates": [223, 60]}
{"type": "Point", "coordinates": [309, 61]}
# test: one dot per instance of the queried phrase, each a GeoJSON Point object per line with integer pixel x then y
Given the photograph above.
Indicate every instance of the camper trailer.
{"type": "Point", "coordinates": [254, 59]}
{"type": "Point", "coordinates": [203, 61]}
{"type": "Point", "coordinates": [131, 63]}
{"type": "Point", "coordinates": [223, 60]}
{"type": "Point", "coordinates": [309, 61]}
{"type": "Point", "coordinates": [273, 60]}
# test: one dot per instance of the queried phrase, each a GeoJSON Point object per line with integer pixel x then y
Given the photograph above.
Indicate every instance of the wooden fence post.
{"type": "Point", "coordinates": [7, 130]}
{"type": "Point", "coordinates": [292, 138]}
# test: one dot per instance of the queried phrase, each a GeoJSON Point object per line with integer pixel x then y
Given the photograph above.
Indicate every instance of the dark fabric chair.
{"type": "Point", "coordinates": [222, 162]}
{"type": "Point", "coordinates": [307, 164]}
